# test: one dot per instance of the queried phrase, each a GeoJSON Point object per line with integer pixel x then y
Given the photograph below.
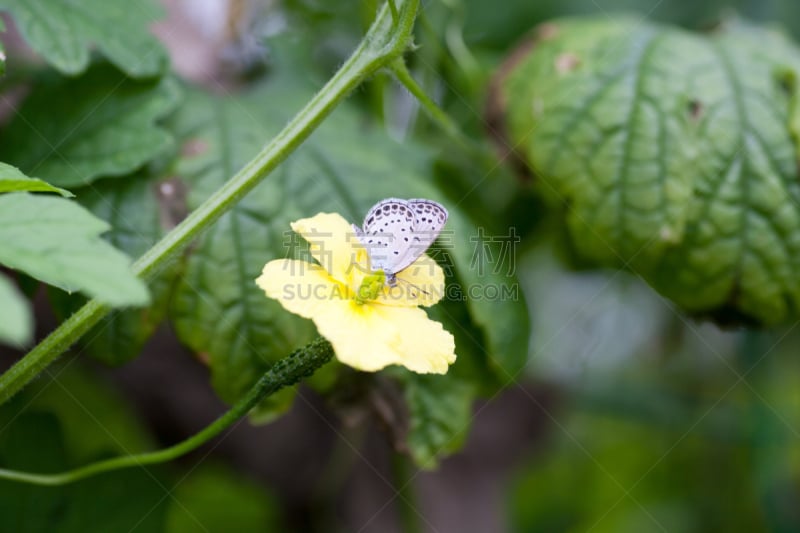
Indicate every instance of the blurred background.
{"type": "Point", "coordinates": [628, 416]}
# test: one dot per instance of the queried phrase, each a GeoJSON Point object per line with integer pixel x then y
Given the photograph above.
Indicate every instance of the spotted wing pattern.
{"type": "Point", "coordinates": [429, 217]}
{"type": "Point", "coordinates": [396, 232]}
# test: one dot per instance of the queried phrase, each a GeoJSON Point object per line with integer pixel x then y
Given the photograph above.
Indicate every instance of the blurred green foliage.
{"type": "Point", "coordinates": [65, 33]}
{"type": "Point", "coordinates": [692, 440]}
{"type": "Point", "coordinates": [69, 419]}
{"type": "Point", "coordinates": [107, 126]}
{"type": "Point", "coordinates": [215, 499]}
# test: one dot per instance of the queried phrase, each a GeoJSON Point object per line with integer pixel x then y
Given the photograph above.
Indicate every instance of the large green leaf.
{"type": "Point", "coordinates": [65, 31]}
{"type": "Point", "coordinates": [71, 131]}
{"type": "Point", "coordinates": [671, 153]}
{"type": "Point", "coordinates": [137, 214]}
{"type": "Point", "coordinates": [12, 180]}
{"type": "Point", "coordinates": [217, 308]}
{"type": "Point", "coordinates": [440, 415]}
{"type": "Point", "coordinates": [16, 317]}
{"type": "Point", "coordinates": [484, 280]}
{"type": "Point", "coordinates": [57, 241]}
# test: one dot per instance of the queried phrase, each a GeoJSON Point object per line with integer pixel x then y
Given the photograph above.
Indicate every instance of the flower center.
{"type": "Point", "coordinates": [370, 287]}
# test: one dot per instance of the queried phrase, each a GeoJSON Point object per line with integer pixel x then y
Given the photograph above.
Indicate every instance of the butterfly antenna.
{"type": "Point", "coordinates": [420, 289]}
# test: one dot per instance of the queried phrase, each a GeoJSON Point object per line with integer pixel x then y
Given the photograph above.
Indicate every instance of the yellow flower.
{"type": "Point", "coordinates": [369, 324]}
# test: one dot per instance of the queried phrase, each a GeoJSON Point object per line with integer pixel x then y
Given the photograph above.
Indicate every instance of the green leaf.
{"type": "Point", "coordinates": [486, 282]}
{"type": "Point", "coordinates": [440, 412]}
{"type": "Point", "coordinates": [58, 242]}
{"type": "Point", "coordinates": [71, 131]}
{"type": "Point", "coordinates": [213, 498]}
{"type": "Point", "coordinates": [672, 155]}
{"type": "Point", "coordinates": [136, 213]}
{"type": "Point", "coordinates": [218, 310]}
{"type": "Point", "coordinates": [65, 31]}
{"type": "Point", "coordinates": [16, 317]}
{"type": "Point", "coordinates": [12, 180]}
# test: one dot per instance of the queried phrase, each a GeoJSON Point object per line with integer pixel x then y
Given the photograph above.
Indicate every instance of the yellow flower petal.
{"type": "Point", "coordinates": [372, 336]}
{"type": "Point", "coordinates": [425, 345]}
{"type": "Point", "coordinates": [359, 337]}
{"type": "Point", "coordinates": [303, 288]}
{"type": "Point", "coordinates": [422, 283]}
{"type": "Point", "coordinates": [333, 243]}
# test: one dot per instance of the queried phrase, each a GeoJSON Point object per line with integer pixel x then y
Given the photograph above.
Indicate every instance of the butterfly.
{"type": "Point", "coordinates": [397, 232]}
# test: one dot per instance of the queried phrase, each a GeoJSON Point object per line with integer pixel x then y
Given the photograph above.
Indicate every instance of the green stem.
{"type": "Point", "coordinates": [386, 40]}
{"type": "Point", "coordinates": [393, 9]}
{"type": "Point", "coordinates": [286, 372]}
{"type": "Point", "coordinates": [436, 113]}
{"type": "Point", "coordinates": [469, 147]}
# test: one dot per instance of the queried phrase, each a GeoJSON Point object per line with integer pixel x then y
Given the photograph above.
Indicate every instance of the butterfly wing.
{"type": "Point", "coordinates": [429, 219]}
{"type": "Point", "coordinates": [388, 227]}
{"type": "Point", "coordinates": [397, 232]}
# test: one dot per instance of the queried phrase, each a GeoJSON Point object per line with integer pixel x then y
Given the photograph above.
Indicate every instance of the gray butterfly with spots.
{"type": "Point", "coordinates": [397, 232]}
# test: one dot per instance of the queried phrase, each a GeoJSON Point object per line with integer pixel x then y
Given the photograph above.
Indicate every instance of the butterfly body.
{"type": "Point", "coordinates": [397, 232]}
